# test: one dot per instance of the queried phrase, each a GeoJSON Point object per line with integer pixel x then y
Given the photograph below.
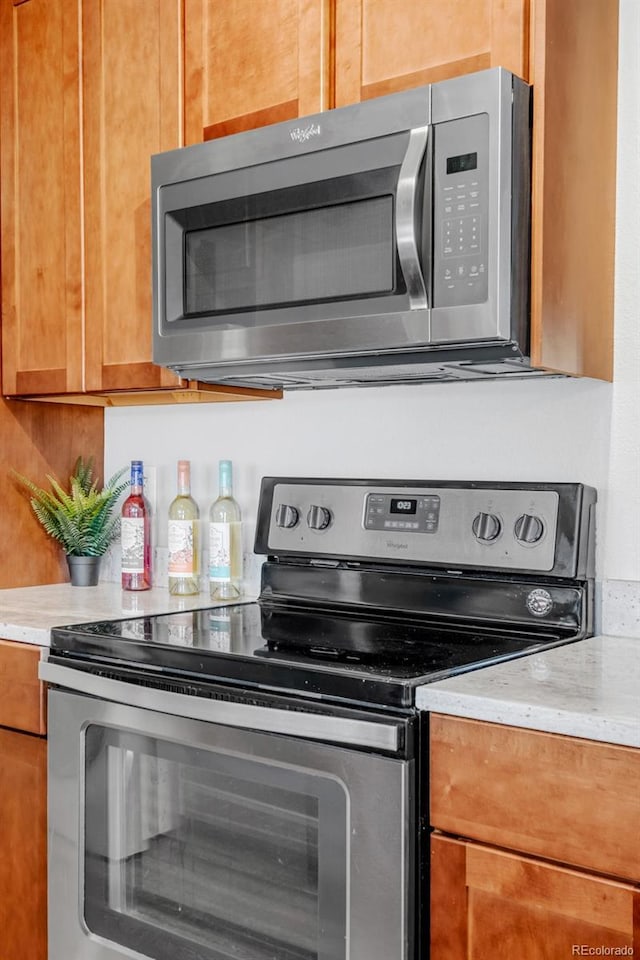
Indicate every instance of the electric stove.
{"type": "Point", "coordinates": [372, 588]}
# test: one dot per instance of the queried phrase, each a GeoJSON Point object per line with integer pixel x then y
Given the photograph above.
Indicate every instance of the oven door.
{"type": "Point", "coordinates": [179, 839]}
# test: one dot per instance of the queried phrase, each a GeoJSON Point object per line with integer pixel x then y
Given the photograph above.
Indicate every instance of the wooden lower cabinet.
{"type": "Point", "coordinates": [535, 853]}
{"type": "Point", "coordinates": [488, 903]}
{"type": "Point", "coordinates": [23, 805]}
{"type": "Point", "coordinates": [23, 841]}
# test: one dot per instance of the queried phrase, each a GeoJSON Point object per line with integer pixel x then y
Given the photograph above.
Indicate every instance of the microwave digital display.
{"type": "Point", "coordinates": [465, 161]}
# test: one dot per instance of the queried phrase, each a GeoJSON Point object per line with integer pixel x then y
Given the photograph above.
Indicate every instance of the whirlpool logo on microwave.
{"type": "Point", "coordinates": [302, 134]}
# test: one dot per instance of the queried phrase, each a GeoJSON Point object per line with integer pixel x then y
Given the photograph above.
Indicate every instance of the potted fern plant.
{"type": "Point", "coordinates": [81, 518]}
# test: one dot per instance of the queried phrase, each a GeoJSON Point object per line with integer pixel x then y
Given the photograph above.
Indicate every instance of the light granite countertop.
{"type": "Point", "coordinates": [27, 614]}
{"type": "Point", "coordinates": [588, 689]}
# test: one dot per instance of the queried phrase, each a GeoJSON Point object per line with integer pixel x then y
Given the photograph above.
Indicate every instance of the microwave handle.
{"type": "Point", "coordinates": [406, 200]}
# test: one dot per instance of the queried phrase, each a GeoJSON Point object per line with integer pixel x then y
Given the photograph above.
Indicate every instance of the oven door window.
{"type": "Point", "coordinates": [192, 853]}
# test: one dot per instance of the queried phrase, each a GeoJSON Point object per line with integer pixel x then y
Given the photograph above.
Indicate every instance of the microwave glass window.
{"type": "Point", "coordinates": [191, 853]}
{"type": "Point", "coordinates": [341, 251]}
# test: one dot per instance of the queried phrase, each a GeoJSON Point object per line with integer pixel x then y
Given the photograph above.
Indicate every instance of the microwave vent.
{"type": "Point", "coordinates": [360, 374]}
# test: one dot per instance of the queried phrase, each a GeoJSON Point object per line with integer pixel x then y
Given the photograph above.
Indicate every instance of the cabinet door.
{"type": "Point", "coordinates": [40, 176]}
{"type": "Point", "coordinates": [132, 92]}
{"type": "Point", "coordinates": [387, 45]}
{"type": "Point", "coordinates": [253, 62]}
{"type": "Point", "coordinates": [23, 838]}
{"type": "Point", "coordinates": [489, 903]}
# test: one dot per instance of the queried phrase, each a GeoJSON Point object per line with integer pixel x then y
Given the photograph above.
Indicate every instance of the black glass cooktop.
{"type": "Point", "coordinates": [309, 651]}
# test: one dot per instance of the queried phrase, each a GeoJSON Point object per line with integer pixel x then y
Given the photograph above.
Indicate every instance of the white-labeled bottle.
{"type": "Point", "coordinates": [225, 540]}
{"type": "Point", "coordinates": [183, 539]}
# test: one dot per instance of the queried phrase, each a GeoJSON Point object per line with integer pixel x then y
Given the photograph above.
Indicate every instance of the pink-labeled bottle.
{"type": "Point", "coordinates": [135, 529]}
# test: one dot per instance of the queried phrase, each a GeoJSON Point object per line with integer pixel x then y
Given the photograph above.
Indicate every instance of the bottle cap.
{"type": "Point", "coordinates": [184, 470]}
{"type": "Point", "coordinates": [137, 473]}
{"type": "Point", "coordinates": [225, 474]}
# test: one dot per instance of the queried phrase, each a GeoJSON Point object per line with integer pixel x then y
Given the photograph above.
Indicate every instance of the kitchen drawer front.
{"type": "Point", "coordinates": [22, 699]}
{"type": "Point", "coordinates": [491, 903]}
{"type": "Point", "coordinates": [562, 798]}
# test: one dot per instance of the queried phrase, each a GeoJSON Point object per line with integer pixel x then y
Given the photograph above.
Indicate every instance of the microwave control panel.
{"type": "Point", "coordinates": [461, 211]}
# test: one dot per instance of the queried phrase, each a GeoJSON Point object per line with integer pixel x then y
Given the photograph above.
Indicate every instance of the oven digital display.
{"type": "Point", "coordinates": [407, 507]}
{"type": "Point", "coordinates": [465, 161]}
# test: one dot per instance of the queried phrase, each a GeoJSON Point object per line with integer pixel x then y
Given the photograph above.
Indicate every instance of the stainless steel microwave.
{"type": "Point", "coordinates": [381, 242]}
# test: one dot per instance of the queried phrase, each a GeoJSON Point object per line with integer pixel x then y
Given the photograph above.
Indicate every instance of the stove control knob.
{"type": "Point", "coordinates": [528, 529]}
{"type": "Point", "coordinates": [318, 518]}
{"type": "Point", "coordinates": [287, 516]}
{"type": "Point", "coordinates": [486, 527]}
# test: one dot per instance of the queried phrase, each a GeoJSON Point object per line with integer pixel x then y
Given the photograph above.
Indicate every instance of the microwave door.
{"type": "Point", "coordinates": [312, 255]}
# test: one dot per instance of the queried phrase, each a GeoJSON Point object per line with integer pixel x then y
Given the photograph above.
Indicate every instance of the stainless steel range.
{"type": "Point", "coordinates": [250, 781]}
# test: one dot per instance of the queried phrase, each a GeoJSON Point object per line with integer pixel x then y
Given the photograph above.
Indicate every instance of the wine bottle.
{"type": "Point", "coordinates": [135, 529]}
{"type": "Point", "coordinates": [184, 567]}
{"type": "Point", "coordinates": [225, 540]}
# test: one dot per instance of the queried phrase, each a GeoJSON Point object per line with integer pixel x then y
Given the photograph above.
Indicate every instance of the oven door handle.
{"type": "Point", "coordinates": [294, 723]}
{"type": "Point", "coordinates": [406, 218]}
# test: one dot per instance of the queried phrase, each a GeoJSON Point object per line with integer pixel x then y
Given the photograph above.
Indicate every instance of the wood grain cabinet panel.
{"type": "Point", "coordinates": [561, 798]}
{"type": "Point", "coordinates": [147, 75]}
{"type": "Point", "coordinates": [574, 70]}
{"type": "Point", "coordinates": [22, 696]}
{"type": "Point", "coordinates": [132, 89]}
{"type": "Point", "coordinates": [23, 838]}
{"type": "Point", "coordinates": [491, 903]}
{"type": "Point", "coordinates": [40, 175]}
{"type": "Point", "coordinates": [383, 46]}
{"type": "Point", "coordinates": [254, 62]}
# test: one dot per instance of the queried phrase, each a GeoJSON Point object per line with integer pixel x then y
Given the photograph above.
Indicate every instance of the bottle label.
{"type": "Point", "coordinates": [181, 540]}
{"type": "Point", "coordinates": [132, 533]}
{"type": "Point", "coordinates": [219, 551]}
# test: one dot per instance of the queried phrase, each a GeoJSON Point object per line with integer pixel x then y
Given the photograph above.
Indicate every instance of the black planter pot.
{"type": "Point", "coordinates": [84, 571]}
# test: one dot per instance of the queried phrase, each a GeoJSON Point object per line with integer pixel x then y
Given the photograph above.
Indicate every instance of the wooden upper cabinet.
{"type": "Point", "coordinates": [84, 104]}
{"type": "Point", "coordinates": [254, 62]}
{"type": "Point", "coordinates": [382, 46]}
{"type": "Point", "coordinates": [132, 90]}
{"type": "Point", "coordinates": [40, 175]}
{"type": "Point", "coordinates": [574, 70]}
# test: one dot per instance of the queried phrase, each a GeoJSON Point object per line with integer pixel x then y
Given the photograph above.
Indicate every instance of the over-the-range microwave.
{"type": "Point", "coordinates": [387, 241]}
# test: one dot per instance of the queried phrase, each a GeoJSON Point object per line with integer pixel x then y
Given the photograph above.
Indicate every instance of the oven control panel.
{"type": "Point", "coordinates": [384, 511]}
{"type": "Point", "coordinates": [506, 526]}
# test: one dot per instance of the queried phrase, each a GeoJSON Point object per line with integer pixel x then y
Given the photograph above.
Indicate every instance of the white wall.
{"type": "Point", "coordinates": [544, 429]}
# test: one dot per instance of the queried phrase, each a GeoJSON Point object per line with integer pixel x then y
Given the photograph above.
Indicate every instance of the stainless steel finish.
{"type": "Point", "coordinates": [486, 526]}
{"type": "Point", "coordinates": [380, 339]}
{"type": "Point", "coordinates": [406, 219]}
{"type": "Point", "coordinates": [381, 736]}
{"type": "Point", "coordinates": [378, 790]}
{"type": "Point", "coordinates": [318, 518]}
{"type": "Point", "coordinates": [489, 92]}
{"type": "Point", "coordinates": [287, 516]}
{"type": "Point", "coordinates": [452, 541]}
{"type": "Point", "coordinates": [528, 529]}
